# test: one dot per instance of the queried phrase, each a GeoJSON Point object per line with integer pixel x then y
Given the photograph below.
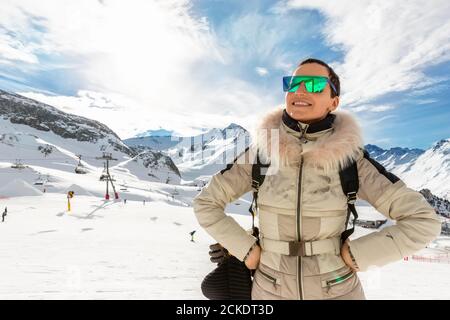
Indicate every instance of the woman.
{"type": "Point", "coordinates": [302, 204]}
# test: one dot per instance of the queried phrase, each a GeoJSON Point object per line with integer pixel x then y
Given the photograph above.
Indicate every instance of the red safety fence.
{"type": "Point", "coordinates": [443, 258]}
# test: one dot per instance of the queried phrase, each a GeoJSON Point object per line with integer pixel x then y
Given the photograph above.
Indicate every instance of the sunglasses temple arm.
{"type": "Point", "coordinates": [332, 86]}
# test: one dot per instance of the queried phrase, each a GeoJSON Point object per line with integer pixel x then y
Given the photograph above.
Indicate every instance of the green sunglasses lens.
{"type": "Point", "coordinates": [313, 84]}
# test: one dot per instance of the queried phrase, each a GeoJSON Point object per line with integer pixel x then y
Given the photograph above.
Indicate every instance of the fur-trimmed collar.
{"type": "Point", "coordinates": [332, 150]}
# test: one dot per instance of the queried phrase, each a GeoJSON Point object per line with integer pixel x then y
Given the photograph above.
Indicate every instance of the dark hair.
{"type": "Point", "coordinates": [334, 78]}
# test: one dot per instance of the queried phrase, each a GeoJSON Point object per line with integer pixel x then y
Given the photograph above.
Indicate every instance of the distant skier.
{"type": "Point", "coordinates": [4, 214]}
{"type": "Point", "coordinates": [192, 235]}
{"type": "Point", "coordinates": [125, 201]}
{"type": "Point", "coordinates": [143, 201]}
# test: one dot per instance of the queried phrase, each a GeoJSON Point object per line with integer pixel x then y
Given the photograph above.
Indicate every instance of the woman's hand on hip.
{"type": "Point", "coordinates": [252, 260]}
{"type": "Point", "coordinates": [346, 256]}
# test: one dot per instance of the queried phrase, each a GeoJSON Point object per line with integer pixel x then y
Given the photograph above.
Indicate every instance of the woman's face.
{"type": "Point", "coordinates": [320, 104]}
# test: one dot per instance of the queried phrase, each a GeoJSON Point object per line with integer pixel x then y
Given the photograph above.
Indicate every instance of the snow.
{"type": "Point", "coordinates": [19, 188]}
{"type": "Point", "coordinates": [407, 280]}
{"type": "Point", "coordinates": [141, 249]}
{"type": "Point", "coordinates": [431, 170]}
{"type": "Point", "coordinates": [100, 250]}
{"type": "Point", "coordinates": [79, 191]}
{"type": "Point", "coordinates": [112, 250]}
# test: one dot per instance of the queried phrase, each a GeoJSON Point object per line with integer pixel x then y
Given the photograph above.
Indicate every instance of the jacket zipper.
{"type": "Point", "coordinates": [299, 220]}
{"type": "Point", "coordinates": [298, 227]}
{"type": "Point", "coordinates": [330, 283]}
{"type": "Point", "coordinates": [340, 279]}
{"type": "Point", "coordinates": [269, 277]}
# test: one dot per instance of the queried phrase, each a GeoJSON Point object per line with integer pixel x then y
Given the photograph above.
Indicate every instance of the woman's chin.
{"type": "Point", "coordinates": [301, 113]}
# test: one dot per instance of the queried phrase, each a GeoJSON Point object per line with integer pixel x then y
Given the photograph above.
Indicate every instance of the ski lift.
{"type": "Point", "coordinates": [39, 181]}
{"type": "Point", "coordinates": [80, 169]}
{"type": "Point", "coordinates": [124, 187]}
{"type": "Point", "coordinates": [18, 165]}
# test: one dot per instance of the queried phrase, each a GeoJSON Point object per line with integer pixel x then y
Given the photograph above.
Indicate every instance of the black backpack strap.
{"type": "Point", "coordinates": [257, 180]}
{"type": "Point", "coordinates": [350, 186]}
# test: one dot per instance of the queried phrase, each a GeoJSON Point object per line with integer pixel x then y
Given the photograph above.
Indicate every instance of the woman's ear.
{"type": "Point", "coordinates": [334, 104]}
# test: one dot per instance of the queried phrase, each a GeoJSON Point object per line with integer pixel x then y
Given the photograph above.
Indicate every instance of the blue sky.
{"type": "Point", "coordinates": [191, 65]}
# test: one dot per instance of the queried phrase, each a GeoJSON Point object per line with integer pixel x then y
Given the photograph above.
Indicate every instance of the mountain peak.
{"type": "Point", "coordinates": [443, 145]}
{"type": "Point", "coordinates": [373, 148]}
{"type": "Point", "coordinates": [233, 126]}
{"type": "Point", "coordinates": [40, 116]}
{"type": "Point", "coordinates": [155, 133]}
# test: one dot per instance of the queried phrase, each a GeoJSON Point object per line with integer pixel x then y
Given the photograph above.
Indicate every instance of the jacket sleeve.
{"type": "Point", "coordinates": [417, 224]}
{"type": "Point", "coordinates": [224, 187]}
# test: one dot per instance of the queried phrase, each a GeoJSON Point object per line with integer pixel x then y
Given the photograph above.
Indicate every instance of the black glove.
{"type": "Point", "coordinates": [217, 253]}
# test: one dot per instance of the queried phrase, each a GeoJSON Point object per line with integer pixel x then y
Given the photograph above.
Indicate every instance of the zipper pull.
{"type": "Point", "coordinates": [302, 137]}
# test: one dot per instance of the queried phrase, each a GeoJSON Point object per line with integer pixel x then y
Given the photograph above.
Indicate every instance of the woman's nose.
{"type": "Point", "coordinates": [301, 88]}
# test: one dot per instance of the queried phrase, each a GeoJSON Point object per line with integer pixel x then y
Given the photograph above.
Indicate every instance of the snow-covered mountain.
{"type": "Point", "coordinates": [394, 157]}
{"type": "Point", "coordinates": [155, 133]}
{"type": "Point", "coordinates": [44, 141]}
{"type": "Point", "coordinates": [431, 170]}
{"type": "Point", "coordinates": [420, 169]}
{"type": "Point", "coordinates": [201, 155]}
{"type": "Point", "coordinates": [21, 110]}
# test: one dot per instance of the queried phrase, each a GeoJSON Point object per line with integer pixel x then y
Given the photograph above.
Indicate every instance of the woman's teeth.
{"type": "Point", "coordinates": [300, 103]}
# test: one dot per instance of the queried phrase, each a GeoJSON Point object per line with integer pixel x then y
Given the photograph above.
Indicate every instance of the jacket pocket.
{"type": "Point", "coordinates": [339, 283]}
{"type": "Point", "coordinates": [337, 280]}
{"type": "Point", "coordinates": [268, 281]}
{"type": "Point", "coordinates": [271, 279]}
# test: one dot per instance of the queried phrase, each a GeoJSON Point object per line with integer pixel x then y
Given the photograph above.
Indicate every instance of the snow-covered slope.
{"type": "Point", "coordinates": [112, 250]}
{"type": "Point", "coordinates": [47, 141]}
{"type": "Point", "coordinates": [429, 169]}
{"type": "Point", "coordinates": [201, 155]}
{"type": "Point", "coordinates": [21, 110]}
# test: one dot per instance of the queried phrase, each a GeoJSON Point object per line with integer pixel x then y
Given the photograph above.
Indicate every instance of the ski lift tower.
{"type": "Point", "coordinates": [108, 157]}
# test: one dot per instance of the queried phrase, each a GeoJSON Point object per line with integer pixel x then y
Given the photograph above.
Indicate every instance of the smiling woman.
{"type": "Point", "coordinates": [318, 168]}
{"type": "Point", "coordinates": [307, 107]}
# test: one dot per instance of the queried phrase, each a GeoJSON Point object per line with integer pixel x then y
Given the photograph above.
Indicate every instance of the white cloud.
{"type": "Point", "coordinates": [262, 71]}
{"type": "Point", "coordinates": [426, 101]}
{"type": "Point", "coordinates": [387, 44]}
{"type": "Point", "coordinates": [152, 52]}
{"type": "Point", "coordinates": [372, 108]}
{"type": "Point", "coordinates": [11, 49]}
{"type": "Point", "coordinates": [156, 62]}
